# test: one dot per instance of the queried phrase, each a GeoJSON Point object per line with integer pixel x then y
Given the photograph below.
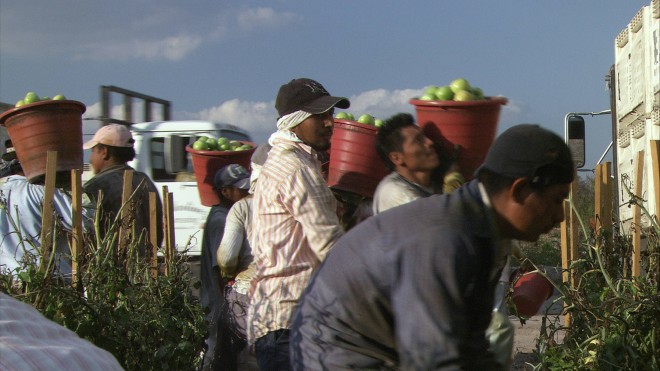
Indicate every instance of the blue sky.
{"type": "Point", "coordinates": [225, 60]}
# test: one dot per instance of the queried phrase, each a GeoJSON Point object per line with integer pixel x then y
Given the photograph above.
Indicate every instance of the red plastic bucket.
{"type": "Point", "coordinates": [207, 163]}
{"type": "Point", "coordinates": [51, 125]}
{"type": "Point", "coordinates": [470, 124]}
{"type": "Point", "coordinates": [354, 162]}
{"type": "Point", "coordinates": [530, 291]}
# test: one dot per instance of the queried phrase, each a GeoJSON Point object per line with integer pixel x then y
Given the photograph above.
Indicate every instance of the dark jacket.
{"type": "Point", "coordinates": [110, 183]}
{"type": "Point", "coordinates": [410, 288]}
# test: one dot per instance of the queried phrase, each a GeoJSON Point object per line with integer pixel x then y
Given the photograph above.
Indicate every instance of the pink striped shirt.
{"type": "Point", "coordinates": [294, 226]}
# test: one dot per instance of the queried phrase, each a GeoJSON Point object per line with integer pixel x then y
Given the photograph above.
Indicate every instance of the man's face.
{"type": "Point", "coordinates": [541, 212]}
{"type": "Point", "coordinates": [316, 130]}
{"type": "Point", "coordinates": [97, 158]}
{"type": "Point", "coordinates": [418, 151]}
{"type": "Point", "coordinates": [234, 193]}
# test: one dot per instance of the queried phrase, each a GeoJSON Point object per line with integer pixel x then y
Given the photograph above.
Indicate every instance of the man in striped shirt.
{"type": "Point", "coordinates": [295, 221]}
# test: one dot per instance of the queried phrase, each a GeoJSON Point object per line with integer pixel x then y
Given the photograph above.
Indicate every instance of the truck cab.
{"type": "Point", "coordinates": [160, 148]}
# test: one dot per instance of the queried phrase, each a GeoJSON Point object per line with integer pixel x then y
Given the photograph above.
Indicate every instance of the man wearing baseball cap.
{"type": "Point", "coordinates": [9, 164]}
{"type": "Point", "coordinates": [112, 148]}
{"type": "Point", "coordinates": [412, 288]}
{"type": "Point", "coordinates": [231, 183]}
{"type": "Point", "coordinates": [295, 219]}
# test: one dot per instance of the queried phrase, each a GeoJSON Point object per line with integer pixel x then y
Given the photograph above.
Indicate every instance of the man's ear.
{"type": "Point", "coordinates": [104, 153]}
{"type": "Point", "coordinates": [396, 158]}
{"type": "Point", "coordinates": [519, 190]}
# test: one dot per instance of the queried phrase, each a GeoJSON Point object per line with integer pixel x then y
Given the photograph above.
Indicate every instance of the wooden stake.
{"type": "Point", "coordinates": [655, 161]}
{"type": "Point", "coordinates": [47, 210]}
{"type": "Point", "coordinates": [166, 228]}
{"type": "Point", "coordinates": [573, 232]}
{"type": "Point", "coordinates": [565, 254]}
{"type": "Point", "coordinates": [153, 233]}
{"type": "Point", "coordinates": [603, 204]}
{"type": "Point", "coordinates": [77, 230]}
{"type": "Point", "coordinates": [637, 218]}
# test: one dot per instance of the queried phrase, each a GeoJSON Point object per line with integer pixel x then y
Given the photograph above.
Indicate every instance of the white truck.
{"type": "Point", "coordinates": [160, 153]}
{"type": "Point", "coordinates": [634, 82]}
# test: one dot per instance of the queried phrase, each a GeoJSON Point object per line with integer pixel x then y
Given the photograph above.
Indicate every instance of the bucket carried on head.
{"type": "Point", "coordinates": [470, 124]}
{"type": "Point", "coordinates": [207, 163]}
{"type": "Point", "coordinates": [355, 165]}
{"type": "Point", "coordinates": [50, 125]}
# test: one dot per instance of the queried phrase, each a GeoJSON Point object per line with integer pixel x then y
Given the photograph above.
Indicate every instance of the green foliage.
{"type": "Point", "coordinates": [615, 317]}
{"type": "Point", "coordinates": [545, 251]}
{"type": "Point", "coordinates": [146, 323]}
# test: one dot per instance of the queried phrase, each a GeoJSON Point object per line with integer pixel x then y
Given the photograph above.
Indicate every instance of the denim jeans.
{"type": "Point", "coordinates": [273, 351]}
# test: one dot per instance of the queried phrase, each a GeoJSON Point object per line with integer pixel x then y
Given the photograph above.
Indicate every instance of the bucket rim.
{"type": "Point", "coordinates": [487, 101]}
{"type": "Point", "coordinates": [355, 123]}
{"type": "Point", "coordinates": [219, 153]}
{"type": "Point", "coordinates": [26, 107]}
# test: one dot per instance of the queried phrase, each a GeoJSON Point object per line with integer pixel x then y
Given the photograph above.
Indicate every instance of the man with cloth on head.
{"type": "Point", "coordinates": [295, 219]}
{"type": "Point", "coordinates": [412, 288]}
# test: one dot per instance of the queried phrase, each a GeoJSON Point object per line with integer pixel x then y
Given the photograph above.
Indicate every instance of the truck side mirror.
{"type": "Point", "coordinates": [576, 139]}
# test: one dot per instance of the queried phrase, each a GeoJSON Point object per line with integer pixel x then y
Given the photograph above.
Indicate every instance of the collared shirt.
{"type": "Point", "coordinates": [20, 221]}
{"type": "Point", "coordinates": [30, 341]}
{"type": "Point", "coordinates": [294, 226]}
{"type": "Point", "coordinates": [235, 252]}
{"type": "Point", "coordinates": [395, 190]}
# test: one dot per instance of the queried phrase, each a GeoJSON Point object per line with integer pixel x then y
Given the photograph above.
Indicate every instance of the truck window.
{"type": "Point", "coordinates": [159, 170]}
{"type": "Point", "coordinates": [159, 173]}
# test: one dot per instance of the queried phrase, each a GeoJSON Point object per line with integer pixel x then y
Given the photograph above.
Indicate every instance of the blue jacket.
{"type": "Point", "coordinates": [410, 288]}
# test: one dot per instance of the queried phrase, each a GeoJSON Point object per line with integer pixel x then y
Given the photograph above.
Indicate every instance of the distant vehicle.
{"type": "Point", "coordinates": [161, 154]}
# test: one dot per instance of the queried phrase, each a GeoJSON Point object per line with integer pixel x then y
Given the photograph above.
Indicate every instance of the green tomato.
{"type": "Point", "coordinates": [31, 97]}
{"type": "Point", "coordinates": [444, 93]}
{"type": "Point", "coordinates": [200, 145]}
{"type": "Point", "coordinates": [366, 119]}
{"type": "Point", "coordinates": [459, 84]}
{"type": "Point", "coordinates": [342, 115]}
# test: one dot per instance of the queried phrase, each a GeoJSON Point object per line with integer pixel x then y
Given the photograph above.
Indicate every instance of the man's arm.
{"type": "Point", "coordinates": [232, 242]}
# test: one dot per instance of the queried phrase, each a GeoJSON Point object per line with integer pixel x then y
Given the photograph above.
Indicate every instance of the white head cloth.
{"type": "Point", "coordinates": [285, 124]}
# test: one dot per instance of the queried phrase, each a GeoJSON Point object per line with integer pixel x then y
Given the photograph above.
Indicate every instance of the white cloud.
{"type": "Point", "coordinates": [264, 17]}
{"type": "Point", "coordinates": [259, 118]}
{"type": "Point", "coordinates": [172, 48]}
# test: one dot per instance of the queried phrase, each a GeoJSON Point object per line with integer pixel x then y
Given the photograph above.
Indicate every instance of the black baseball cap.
{"type": "Point", "coordinates": [10, 152]}
{"type": "Point", "coordinates": [532, 152]}
{"type": "Point", "coordinates": [306, 95]}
